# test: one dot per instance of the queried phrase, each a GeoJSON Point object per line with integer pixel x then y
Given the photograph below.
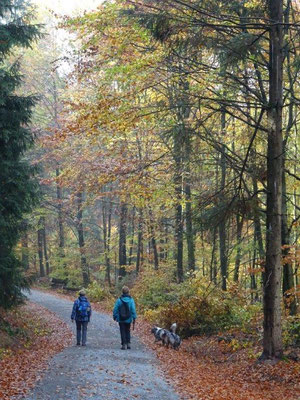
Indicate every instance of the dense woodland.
{"type": "Point", "coordinates": [165, 157]}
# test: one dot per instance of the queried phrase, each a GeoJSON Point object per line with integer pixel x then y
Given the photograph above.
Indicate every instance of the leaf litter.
{"type": "Point", "coordinates": [39, 334]}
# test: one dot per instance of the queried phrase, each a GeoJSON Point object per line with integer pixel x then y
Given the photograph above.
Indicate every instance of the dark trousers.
{"type": "Point", "coordinates": [125, 332]}
{"type": "Point", "coordinates": [81, 328]}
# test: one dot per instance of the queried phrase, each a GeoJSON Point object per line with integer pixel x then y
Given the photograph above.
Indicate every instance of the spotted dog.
{"type": "Point", "coordinates": [159, 334]}
{"type": "Point", "coordinates": [167, 337]}
{"type": "Point", "coordinates": [171, 338]}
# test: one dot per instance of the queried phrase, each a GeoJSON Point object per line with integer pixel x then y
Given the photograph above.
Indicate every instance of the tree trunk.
{"type": "Point", "coordinates": [166, 233]}
{"type": "Point", "coordinates": [272, 341]}
{"type": "Point", "coordinates": [258, 237]}
{"type": "Point", "coordinates": [257, 223]}
{"type": "Point", "coordinates": [132, 236]}
{"type": "Point", "coordinates": [61, 237]}
{"type": "Point", "coordinates": [162, 242]}
{"type": "Point", "coordinates": [106, 220]}
{"type": "Point", "coordinates": [188, 205]}
{"type": "Point", "coordinates": [239, 227]}
{"type": "Point", "coordinates": [288, 277]}
{"type": "Point", "coordinates": [45, 245]}
{"type": "Point", "coordinates": [178, 208]}
{"type": "Point", "coordinates": [24, 243]}
{"type": "Point", "coordinates": [40, 248]}
{"type": "Point", "coordinates": [122, 240]}
{"type": "Point", "coordinates": [153, 240]}
{"type": "Point", "coordinates": [213, 261]}
{"type": "Point", "coordinates": [81, 243]}
{"type": "Point", "coordinates": [252, 275]}
{"type": "Point", "coordinates": [140, 242]}
{"type": "Point", "coordinates": [222, 224]}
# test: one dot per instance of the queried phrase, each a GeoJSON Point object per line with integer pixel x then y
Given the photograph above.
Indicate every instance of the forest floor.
{"type": "Point", "coordinates": [205, 368]}
{"type": "Point", "coordinates": [29, 336]}
{"type": "Point", "coordinates": [209, 368]}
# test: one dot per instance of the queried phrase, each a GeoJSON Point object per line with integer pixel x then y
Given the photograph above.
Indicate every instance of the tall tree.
{"type": "Point", "coordinates": [272, 341]}
{"type": "Point", "coordinates": [17, 189]}
{"type": "Point", "coordinates": [122, 239]}
{"type": "Point", "coordinates": [81, 241]}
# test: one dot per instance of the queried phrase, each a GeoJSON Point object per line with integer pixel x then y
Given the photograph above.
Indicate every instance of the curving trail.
{"type": "Point", "coordinates": [101, 370]}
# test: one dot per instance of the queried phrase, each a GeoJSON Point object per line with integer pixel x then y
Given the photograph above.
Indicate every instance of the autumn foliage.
{"type": "Point", "coordinates": [29, 336]}
{"type": "Point", "coordinates": [210, 369]}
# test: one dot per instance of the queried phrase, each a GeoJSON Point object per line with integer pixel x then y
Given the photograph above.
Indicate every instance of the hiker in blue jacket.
{"type": "Point", "coordinates": [124, 312]}
{"type": "Point", "coordinates": [81, 313]}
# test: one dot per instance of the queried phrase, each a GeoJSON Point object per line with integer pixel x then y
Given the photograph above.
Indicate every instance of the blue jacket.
{"type": "Point", "coordinates": [75, 312]}
{"type": "Point", "coordinates": [116, 312]}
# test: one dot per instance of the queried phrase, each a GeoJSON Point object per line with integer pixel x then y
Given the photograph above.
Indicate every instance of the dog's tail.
{"type": "Point", "coordinates": [173, 327]}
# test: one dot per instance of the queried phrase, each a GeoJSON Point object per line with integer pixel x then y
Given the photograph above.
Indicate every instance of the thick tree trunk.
{"type": "Point", "coordinates": [272, 341]}
{"type": "Point", "coordinates": [81, 242]}
{"type": "Point", "coordinates": [40, 248]}
{"type": "Point", "coordinates": [122, 240]}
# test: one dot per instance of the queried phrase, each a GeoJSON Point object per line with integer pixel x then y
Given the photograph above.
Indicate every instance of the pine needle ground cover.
{"type": "Point", "coordinates": [29, 336]}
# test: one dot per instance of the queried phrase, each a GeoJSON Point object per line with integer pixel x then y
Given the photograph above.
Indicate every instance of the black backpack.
{"type": "Point", "coordinates": [124, 311]}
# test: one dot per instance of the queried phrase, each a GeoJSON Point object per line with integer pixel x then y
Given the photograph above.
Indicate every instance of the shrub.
{"type": "Point", "coordinates": [291, 331]}
{"type": "Point", "coordinates": [72, 275]}
{"type": "Point", "coordinates": [97, 292]}
{"type": "Point", "coordinates": [154, 288]}
{"type": "Point", "coordinates": [196, 306]}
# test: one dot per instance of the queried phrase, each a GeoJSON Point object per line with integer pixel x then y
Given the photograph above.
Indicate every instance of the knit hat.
{"type": "Point", "coordinates": [82, 292]}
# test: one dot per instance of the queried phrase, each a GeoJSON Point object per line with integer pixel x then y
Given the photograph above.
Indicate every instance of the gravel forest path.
{"type": "Point", "coordinates": [101, 370]}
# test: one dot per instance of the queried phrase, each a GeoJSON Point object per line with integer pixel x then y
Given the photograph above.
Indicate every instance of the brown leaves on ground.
{"type": "Point", "coordinates": [38, 335]}
{"type": "Point", "coordinates": [203, 369]}
{"type": "Point", "coordinates": [210, 369]}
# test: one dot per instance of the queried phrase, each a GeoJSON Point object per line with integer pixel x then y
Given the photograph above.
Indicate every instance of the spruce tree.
{"type": "Point", "coordinates": [17, 187]}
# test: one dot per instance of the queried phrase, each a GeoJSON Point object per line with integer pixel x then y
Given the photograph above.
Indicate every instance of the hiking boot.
{"type": "Point", "coordinates": [128, 346]}
{"type": "Point", "coordinates": [123, 347]}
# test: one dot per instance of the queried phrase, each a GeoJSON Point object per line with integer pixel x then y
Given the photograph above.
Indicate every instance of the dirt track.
{"type": "Point", "coordinates": [101, 370]}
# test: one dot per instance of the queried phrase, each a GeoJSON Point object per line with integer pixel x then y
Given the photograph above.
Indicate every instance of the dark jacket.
{"type": "Point", "coordinates": [76, 312]}
{"type": "Point", "coordinates": [116, 312]}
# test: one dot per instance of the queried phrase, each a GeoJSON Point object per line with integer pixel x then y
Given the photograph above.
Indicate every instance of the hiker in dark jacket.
{"type": "Point", "coordinates": [124, 312]}
{"type": "Point", "coordinates": [81, 313]}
